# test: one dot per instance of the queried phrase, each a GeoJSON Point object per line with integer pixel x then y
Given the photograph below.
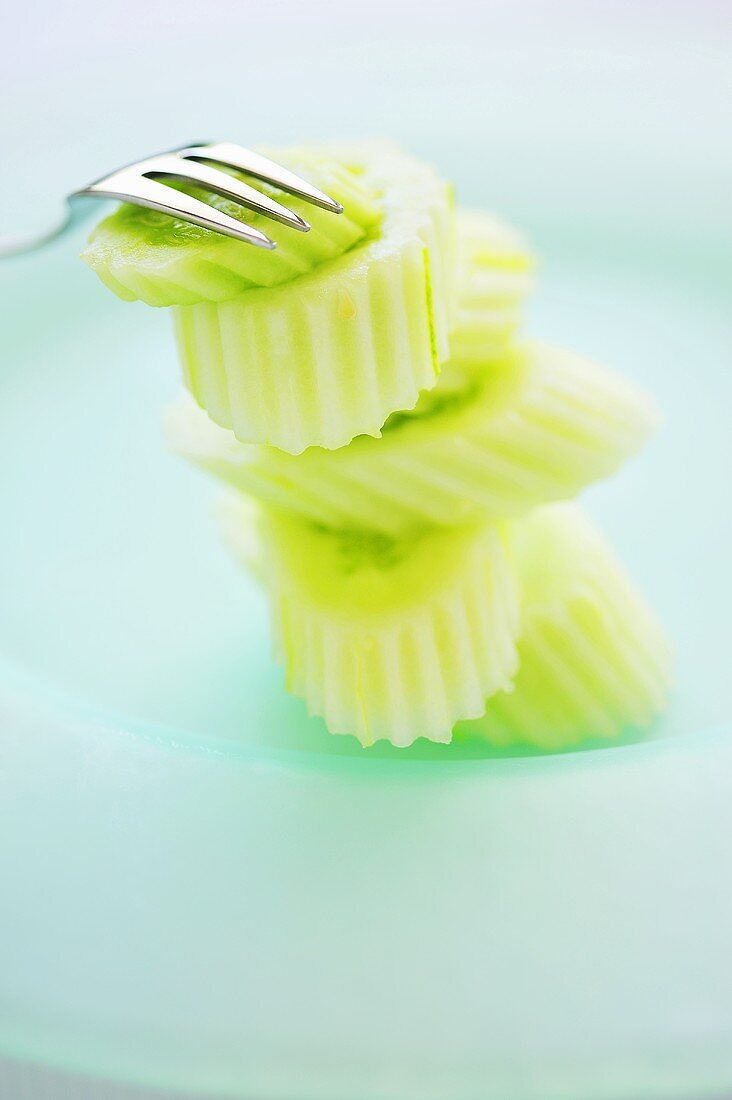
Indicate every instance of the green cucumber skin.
{"type": "Point", "coordinates": [594, 662]}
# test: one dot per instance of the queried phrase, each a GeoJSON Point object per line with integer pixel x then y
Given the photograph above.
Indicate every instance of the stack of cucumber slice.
{"type": "Point", "coordinates": [395, 452]}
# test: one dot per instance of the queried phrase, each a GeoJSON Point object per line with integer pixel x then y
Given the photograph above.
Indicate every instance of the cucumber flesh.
{"type": "Point", "coordinates": [147, 255]}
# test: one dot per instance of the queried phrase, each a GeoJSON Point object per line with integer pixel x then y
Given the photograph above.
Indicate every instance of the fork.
{"type": "Point", "coordinates": [141, 184]}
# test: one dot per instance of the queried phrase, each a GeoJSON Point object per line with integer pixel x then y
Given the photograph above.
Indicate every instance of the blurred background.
{"type": "Point", "coordinates": [585, 100]}
{"type": "Point", "coordinates": [601, 128]}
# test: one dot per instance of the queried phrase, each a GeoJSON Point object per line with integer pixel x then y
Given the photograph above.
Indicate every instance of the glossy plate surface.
{"type": "Point", "coordinates": [203, 888]}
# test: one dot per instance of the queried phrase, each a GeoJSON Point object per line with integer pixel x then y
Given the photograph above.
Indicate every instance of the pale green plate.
{"type": "Point", "coordinates": [201, 888]}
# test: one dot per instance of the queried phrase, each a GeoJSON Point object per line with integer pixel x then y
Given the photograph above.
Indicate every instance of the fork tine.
{"type": "Point", "coordinates": [222, 183]}
{"type": "Point", "coordinates": [129, 186]}
{"type": "Point", "coordinates": [254, 164]}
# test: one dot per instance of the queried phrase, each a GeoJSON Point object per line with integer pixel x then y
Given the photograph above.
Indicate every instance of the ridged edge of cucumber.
{"type": "Point", "coordinates": [594, 661]}
{"type": "Point", "coordinates": [321, 363]}
{"type": "Point", "coordinates": [562, 423]}
{"type": "Point", "coordinates": [402, 675]}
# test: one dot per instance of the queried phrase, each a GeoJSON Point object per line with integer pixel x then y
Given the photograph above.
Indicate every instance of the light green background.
{"type": "Point", "coordinates": [200, 887]}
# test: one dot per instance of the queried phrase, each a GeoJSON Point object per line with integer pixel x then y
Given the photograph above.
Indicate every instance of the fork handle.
{"type": "Point", "coordinates": [73, 214]}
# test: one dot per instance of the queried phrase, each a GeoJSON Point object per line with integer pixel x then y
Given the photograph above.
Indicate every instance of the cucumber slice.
{"type": "Point", "coordinates": [490, 440]}
{"type": "Point", "coordinates": [331, 354]}
{"type": "Point", "coordinates": [385, 639]}
{"type": "Point", "coordinates": [495, 273]}
{"type": "Point", "coordinates": [593, 660]}
{"type": "Point", "coordinates": [144, 254]}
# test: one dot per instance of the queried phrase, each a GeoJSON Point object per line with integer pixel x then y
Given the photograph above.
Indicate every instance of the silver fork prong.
{"type": "Point", "coordinates": [173, 166]}
{"type": "Point", "coordinates": [129, 185]}
{"type": "Point", "coordinates": [140, 184]}
{"type": "Point", "coordinates": [262, 168]}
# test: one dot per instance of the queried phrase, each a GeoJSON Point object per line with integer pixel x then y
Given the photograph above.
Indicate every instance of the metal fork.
{"type": "Point", "coordinates": [141, 184]}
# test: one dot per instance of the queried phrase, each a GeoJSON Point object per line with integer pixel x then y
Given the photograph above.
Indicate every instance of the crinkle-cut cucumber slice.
{"type": "Point", "coordinates": [331, 354]}
{"type": "Point", "coordinates": [490, 440]}
{"type": "Point", "coordinates": [144, 254]}
{"type": "Point", "coordinates": [593, 660]}
{"type": "Point", "coordinates": [495, 273]}
{"type": "Point", "coordinates": [317, 364]}
{"type": "Point", "coordinates": [386, 639]}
